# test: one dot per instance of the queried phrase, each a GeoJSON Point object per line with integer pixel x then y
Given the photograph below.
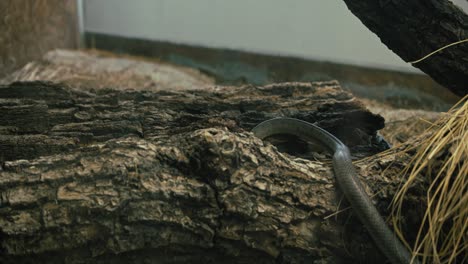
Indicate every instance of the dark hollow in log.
{"type": "Point", "coordinates": [106, 176]}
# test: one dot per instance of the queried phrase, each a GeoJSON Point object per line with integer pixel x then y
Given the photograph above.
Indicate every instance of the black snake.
{"type": "Point", "coordinates": [348, 181]}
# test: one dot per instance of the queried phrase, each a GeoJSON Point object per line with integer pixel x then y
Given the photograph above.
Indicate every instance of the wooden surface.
{"type": "Point", "coordinates": [119, 176]}
{"type": "Point", "coordinates": [413, 29]}
{"type": "Point", "coordinates": [30, 28]}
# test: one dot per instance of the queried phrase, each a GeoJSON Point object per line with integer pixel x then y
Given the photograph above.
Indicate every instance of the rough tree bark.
{"type": "Point", "coordinates": [413, 29]}
{"type": "Point", "coordinates": [112, 176]}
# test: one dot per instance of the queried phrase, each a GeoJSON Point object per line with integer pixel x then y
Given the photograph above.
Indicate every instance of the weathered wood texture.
{"type": "Point", "coordinates": [30, 28]}
{"type": "Point", "coordinates": [413, 29]}
{"type": "Point", "coordinates": [111, 176]}
{"type": "Point", "coordinates": [96, 69]}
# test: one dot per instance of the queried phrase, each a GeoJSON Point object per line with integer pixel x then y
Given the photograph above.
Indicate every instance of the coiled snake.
{"type": "Point", "coordinates": [347, 180]}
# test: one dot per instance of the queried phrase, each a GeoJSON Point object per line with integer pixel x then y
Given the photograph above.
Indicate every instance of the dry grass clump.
{"type": "Point", "coordinates": [442, 157]}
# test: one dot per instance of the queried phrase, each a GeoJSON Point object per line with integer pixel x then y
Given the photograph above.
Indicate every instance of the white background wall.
{"type": "Point", "coordinates": [316, 29]}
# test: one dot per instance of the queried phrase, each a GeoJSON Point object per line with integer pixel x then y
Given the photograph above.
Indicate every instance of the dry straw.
{"type": "Point", "coordinates": [439, 50]}
{"type": "Point", "coordinates": [442, 157]}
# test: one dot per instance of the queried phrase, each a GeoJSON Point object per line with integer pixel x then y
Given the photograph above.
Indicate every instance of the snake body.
{"type": "Point", "coordinates": [347, 180]}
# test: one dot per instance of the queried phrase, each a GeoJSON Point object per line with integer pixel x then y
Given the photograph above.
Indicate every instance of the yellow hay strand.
{"type": "Point", "coordinates": [438, 50]}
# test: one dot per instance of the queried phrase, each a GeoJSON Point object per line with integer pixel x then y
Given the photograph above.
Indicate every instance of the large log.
{"type": "Point", "coordinates": [413, 29]}
{"type": "Point", "coordinates": [111, 176]}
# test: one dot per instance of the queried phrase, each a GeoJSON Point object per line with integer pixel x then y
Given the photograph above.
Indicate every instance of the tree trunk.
{"type": "Point", "coordinates": [112, 176]}
{"type": "Point", "coordinates": [413, 29]}
{"type": "Point", "coordinates": [31, 28]}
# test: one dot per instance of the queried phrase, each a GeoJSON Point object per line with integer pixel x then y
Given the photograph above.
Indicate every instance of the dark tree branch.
{"type": "Point", "coordinates": [413, 29]}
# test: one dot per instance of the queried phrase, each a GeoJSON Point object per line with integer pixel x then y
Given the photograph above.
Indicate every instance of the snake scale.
{"type": "Point", "coordinates": [348, 181]}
